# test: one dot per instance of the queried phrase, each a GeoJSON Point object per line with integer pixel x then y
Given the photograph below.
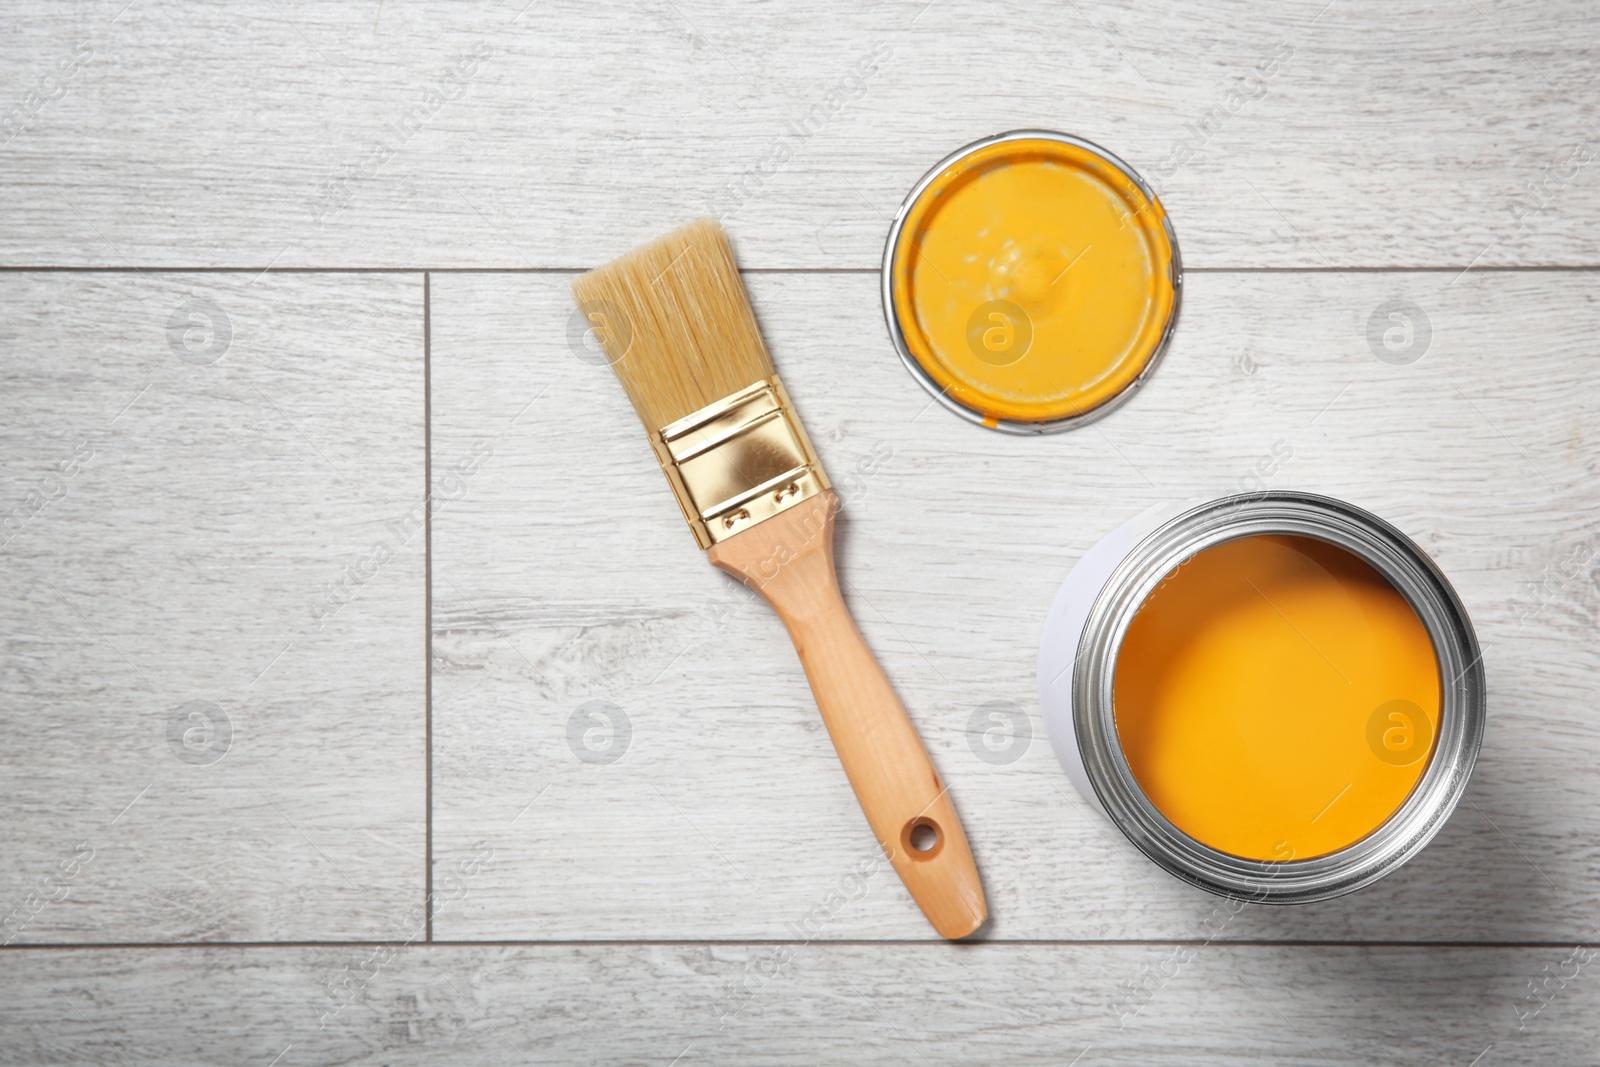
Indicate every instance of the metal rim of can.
{"type": "Point", "coordinates": [1404, 565]}
{"type": "Point", "coordinates": [892, 318]}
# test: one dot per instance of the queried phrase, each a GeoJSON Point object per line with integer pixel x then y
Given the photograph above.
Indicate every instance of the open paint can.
{"type": "Point", "coordinates": [1276, 696]}
{"type": "Point", "coordinates": [1030, 281]}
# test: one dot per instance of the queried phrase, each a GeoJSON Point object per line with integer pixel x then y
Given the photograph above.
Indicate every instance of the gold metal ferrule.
{"type": "Point", "coordinates": [738, 461]}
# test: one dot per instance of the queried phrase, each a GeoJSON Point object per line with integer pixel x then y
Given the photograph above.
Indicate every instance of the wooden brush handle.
{"type": "Point", "coordinates": [788, 559]}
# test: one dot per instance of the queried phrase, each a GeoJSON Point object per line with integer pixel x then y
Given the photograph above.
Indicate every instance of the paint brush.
{"type": "Point", "coordinates": [676, 324]}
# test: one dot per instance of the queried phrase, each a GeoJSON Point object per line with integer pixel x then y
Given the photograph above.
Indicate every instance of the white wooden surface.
{"type": "Point", "coordinates": [799, 1005]}
{"type": "Point", "coordinates": [180, 564]}
{"type": "Point", "coordinates": [647, 908]}
{"type": "Point", "coordinates": [1395, 134]}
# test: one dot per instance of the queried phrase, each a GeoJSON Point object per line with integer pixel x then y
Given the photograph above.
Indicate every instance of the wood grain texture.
{"type": "Point", "coordinates": [1305, 135]}
{"type": "Point", "coordinates": [788, 559]}
{"type": "Point", "coordinates": [602, 765]}
{"type": "Point", "coordinates": [800, 1004]}
{"type": "Point", "coordinates": [212, 693]}
{"type": "Point", "coordinates": [564, 576]}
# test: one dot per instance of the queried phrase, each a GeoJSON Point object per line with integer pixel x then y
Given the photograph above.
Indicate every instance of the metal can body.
{"type": "Point", "coordinates": [1091, 616]}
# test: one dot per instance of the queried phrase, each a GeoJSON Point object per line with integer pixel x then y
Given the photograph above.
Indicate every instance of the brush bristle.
{"type": "Point", "coordinates": [676, 323]}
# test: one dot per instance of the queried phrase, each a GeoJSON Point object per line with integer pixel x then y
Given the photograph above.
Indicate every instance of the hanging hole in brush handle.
{"type": "Point", "coordinates": [922, 839]}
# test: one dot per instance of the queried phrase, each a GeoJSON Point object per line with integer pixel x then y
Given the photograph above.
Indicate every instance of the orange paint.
{"type": "Point", "coordinates": [1276, 698]}
{"type": "Point", "coordinates": [1032, 280]}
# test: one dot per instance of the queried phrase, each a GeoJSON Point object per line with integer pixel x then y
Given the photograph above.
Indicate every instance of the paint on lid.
{"type": "Point", "coordinates": [1031, 281]}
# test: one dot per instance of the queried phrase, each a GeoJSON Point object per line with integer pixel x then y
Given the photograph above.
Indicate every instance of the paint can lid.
{"type": "Point", "coordinates": [1030, 281]}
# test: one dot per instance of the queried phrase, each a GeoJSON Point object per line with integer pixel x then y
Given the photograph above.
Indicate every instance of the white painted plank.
{"type": "Point", "coordinates": [563, 574]}
{"type": "Point", "coordinates": [1380, 134]}
{"type": "Point", "coordinates": [203, 742]}
{"type": "Point", "coordinates": [798, 1003]}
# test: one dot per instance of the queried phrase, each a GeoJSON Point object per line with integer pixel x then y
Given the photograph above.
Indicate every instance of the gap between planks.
{"type": "Point", "coordinates": [427, 605]}
{"type": "Point", "coordinates": [1540, 268]}
{"type": "Point", "coordinates": [101, 946]}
